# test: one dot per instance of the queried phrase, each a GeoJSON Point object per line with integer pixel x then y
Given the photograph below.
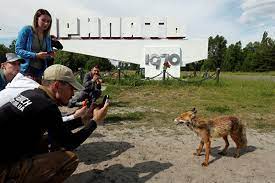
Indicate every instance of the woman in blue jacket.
{"type": "Point", "coordinates": [34, 45]}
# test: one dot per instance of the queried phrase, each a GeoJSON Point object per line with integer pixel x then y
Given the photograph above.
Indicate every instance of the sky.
{"type": "Point", "coordinates": [236, 20]}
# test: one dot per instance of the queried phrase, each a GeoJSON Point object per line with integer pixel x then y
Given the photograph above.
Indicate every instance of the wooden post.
{"type": "Point", "coordinates": [218, 71]}
{"type": "Point", "coordinates": [164, 73]}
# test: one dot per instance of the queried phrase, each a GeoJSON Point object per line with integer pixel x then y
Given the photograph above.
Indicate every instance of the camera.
{"type": "Point", "coordinates": [105, 98]}
{"type": "Point", "coordinates": [50, 61]}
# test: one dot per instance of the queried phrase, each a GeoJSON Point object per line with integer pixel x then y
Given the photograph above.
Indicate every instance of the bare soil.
{"type": "Point", "coordinates": [163, 156]}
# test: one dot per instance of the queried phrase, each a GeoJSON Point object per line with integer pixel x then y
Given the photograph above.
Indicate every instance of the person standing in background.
{"type": "Point", "coordinates": [33, 44]}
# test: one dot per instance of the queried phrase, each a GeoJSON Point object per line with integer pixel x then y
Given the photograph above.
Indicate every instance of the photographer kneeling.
{"type": "Point", "coordinates": [25, 157]}
{"type": "Point", "coordinates": [92, 83]}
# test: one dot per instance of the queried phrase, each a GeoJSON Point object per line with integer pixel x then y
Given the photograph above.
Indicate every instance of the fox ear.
{"type": "Point", "coordinates": [194, 110]}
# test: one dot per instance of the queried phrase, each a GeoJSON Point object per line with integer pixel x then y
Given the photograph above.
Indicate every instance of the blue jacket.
{"type": "Point", "coordinates": [23, 47]}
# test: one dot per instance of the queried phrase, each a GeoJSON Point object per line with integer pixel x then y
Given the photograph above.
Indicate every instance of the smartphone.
{"type": "Point", "coordinates": [105, 98]}
{"type": "Point", "coordinates": [50, 52]}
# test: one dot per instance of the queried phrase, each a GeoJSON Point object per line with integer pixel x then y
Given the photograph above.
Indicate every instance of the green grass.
{"type": "Point", "coordinates": [250, 100]}
{"type": "Point", "coordinates": [220, 109]}
{"type": "Point", "coordinates": [270, 73]}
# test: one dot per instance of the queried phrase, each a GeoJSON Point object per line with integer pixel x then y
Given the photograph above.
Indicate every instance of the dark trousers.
{"type": "Point", "coordinates": [48, 167]}
{"type": "Point", "coordinates": [92, 97]}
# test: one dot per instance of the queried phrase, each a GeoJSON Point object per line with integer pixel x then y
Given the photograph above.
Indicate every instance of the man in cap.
{"type": "Point", "coordinates": [25, 157]}
{"type": "Point", "coordinates": [10, 66]}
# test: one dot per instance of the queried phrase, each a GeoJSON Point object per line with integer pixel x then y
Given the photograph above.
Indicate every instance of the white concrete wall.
{"type": "Point", "coordinates": [90, 27]}
{"type": "Point", "coordinates": [174, 29]}
{"type": "Point", "coordinates": [131, 27]}
{"type": "Point", "coordinates": [156, 56]}
{"type": "Point", "coordinates": [110, 27]}
{"type": "Point", "coordinates": [69, 26]}
{"type": "Point", "coordinates": [116, 27]}
{"type": "Point", "coordinates": [104, 37]}
{"type": "Point", "coordinates": [132, 51]}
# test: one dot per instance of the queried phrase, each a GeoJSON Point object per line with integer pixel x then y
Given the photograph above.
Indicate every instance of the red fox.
{"type": "Point", "coordinates": [214, 128]}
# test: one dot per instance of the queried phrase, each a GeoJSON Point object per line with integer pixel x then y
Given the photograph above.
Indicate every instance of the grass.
{"type": "Point", "coordinates": [220, 109]}
{"type": "Point", "coordinates": [252, 101]}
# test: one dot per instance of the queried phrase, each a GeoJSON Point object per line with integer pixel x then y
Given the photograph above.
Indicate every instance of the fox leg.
{"type": "Point", "coordinates": [223, 152]}
{"type": "Point", "coordinates": [207, 151]}
{"type": "Point", "coordinates": [238, 147]}
{"type": "Point", "coordinates": [198, 151]}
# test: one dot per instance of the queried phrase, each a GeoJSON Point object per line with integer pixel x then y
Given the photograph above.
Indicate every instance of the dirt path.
{"type": "Point", "coordinates": [145, 155]}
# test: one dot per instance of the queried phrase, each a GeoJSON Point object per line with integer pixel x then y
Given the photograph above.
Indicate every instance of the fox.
{"type": "Point", "coordinates": [219, 127]}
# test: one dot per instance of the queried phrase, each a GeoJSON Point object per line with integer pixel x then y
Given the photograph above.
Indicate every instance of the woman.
{"type": "Point", "coordinates": [34, 45]}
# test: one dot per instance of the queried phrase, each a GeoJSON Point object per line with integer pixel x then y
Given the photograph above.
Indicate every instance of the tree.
{"type": "Point", "coordinates": [12, 46]}
{"type": "Point", "coordinates": [260, 56]}
{"type": "Point", "coordinates": [234, 57]}
{"type": "Point", "coordinates": [76, 61]}
{"type": "Point", "coordinates": [267, 61]}
{"type": "Point", "coordinates": [103, 63]}
{"type": "Point", "coordinates": [134, 66]}
{"type": "Point", "coordinates": [3, 49]}
{"type": "Point", "coordinates": [249, 53]}
{"type": "Point", "coordinates": [216, 52]}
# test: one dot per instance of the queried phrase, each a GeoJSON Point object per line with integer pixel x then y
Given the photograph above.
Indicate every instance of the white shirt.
{"type": "Point", "coordinates": [19, 84]}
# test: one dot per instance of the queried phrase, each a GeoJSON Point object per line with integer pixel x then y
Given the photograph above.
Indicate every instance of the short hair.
{"type": "Point", "coordinates": [35, 20]}
{"type": "Point", "coordinates": [97, 67]}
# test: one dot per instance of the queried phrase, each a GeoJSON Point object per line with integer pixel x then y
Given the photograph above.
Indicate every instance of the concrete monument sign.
{"type": "Point", "coordinates": [148, 41]}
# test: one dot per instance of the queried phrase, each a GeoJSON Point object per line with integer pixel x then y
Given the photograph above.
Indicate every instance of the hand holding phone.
{"type": "Point", "coordinates": [50, 53]}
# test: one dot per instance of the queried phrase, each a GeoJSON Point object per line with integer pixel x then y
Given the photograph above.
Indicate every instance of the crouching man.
{"type": "Point", "coordinates": [27, 154]}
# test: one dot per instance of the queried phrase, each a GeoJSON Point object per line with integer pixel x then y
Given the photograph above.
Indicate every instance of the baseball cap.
{"type": "Point", "coordinates": [59, 72]}
{"type": "Point", "coordinates": [12, 57]}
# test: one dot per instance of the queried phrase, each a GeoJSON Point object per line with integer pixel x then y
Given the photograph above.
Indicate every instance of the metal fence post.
{"type": "Point", "coordinates": [119, 74]}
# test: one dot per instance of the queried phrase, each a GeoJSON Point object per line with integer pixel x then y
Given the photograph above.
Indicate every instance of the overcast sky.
{"type": "Point", "coordinates": [243, 20]}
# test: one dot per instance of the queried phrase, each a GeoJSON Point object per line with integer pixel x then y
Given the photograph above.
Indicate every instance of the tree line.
{"type": "Point", "coordinates": [254, 57]}
{"type": "Point", "coordinates": [72, 60]}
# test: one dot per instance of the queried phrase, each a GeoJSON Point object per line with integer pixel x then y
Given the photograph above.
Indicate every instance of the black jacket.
{"type": "Point", "coordinates": [24, 121]}
{"type": "Point", "coordinates": [90, 86]}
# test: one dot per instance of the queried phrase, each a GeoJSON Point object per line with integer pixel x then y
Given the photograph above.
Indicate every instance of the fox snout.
{"type": "Point", "coordinates": [180, 121]}
{"type": "Point", "coordinates": [177, 121]}
{"type": "Point", "coordinates": [186, 117]}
